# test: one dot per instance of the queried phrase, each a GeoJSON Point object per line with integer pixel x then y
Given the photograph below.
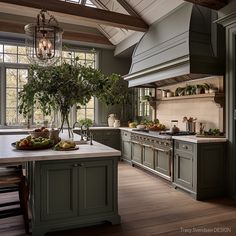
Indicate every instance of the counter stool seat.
{"type": "Point", "coordinates": [11, 180]}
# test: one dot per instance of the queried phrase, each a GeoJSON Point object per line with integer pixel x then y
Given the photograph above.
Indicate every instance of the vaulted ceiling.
{"type": "Point", "coordinates": [95, 22]}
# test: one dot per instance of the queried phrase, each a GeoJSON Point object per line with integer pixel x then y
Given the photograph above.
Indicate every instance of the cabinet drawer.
{"type": "Point", "coordinates": [184, 146]}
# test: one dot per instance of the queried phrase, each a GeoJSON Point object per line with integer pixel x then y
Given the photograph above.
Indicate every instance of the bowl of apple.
{"type": "Point", "coordinates": [40, 132]}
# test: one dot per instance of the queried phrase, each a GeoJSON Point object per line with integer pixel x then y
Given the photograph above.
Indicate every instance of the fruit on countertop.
{"type": "Point", "coordinates": [40, 132]}
{"type": "Point", "coordinates": [30, 142]}
{"type": "Point", "coordinates": [133, 124]}
{"type": "Point", "coordinates": [154, 125]}
{"type": "Point", "coordinates": [157, 127]}
{"type": "Point", "coordinates": [42, 129]}
{"type": "Point", "coordinates": [65, 144]}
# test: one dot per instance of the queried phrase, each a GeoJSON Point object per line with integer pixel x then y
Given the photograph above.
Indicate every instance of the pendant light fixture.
{"type": "Point", "coordinates": [44, 40]}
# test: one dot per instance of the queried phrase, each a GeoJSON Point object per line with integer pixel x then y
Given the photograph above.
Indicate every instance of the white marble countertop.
{"type": "Point", "coordinates": [187, 138]}
{"type": "Point", "coordinates": [194, 139]}
{"type": "Point", "coordinates": [9, 154]}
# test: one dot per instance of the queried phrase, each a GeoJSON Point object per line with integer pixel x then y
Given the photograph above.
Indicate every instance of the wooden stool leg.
{"type": "Point", "coordinates": [24, 197]}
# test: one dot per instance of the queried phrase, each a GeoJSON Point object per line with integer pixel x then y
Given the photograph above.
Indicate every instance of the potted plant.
{"type": "Point", "coordinates": [206, 87]}
{"type": "Point", "coordinates": [189, 90]}
{"type": "Point", "coordinates": [179, 91]}
{"type": "Point", "coordinates": [86, 122]}
{"type": "Point", "coordinates": [213, 89]}
{"type": "Point", "coordinates": [199, 88]}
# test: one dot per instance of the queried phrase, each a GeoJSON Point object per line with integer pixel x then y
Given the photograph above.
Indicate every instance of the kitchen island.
{"type": "Point", "coordinates": [68, 189]}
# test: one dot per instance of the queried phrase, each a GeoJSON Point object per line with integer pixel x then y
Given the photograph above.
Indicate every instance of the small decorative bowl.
{"type": "Point", "coordinates": [43, 134]}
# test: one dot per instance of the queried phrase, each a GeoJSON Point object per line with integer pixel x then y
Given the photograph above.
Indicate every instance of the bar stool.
{"type": "Point", "coordinates": [11, 180]}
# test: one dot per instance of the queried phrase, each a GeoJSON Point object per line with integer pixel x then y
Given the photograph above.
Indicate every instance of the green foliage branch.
{"type": "Point", "coordinates": [63, 86]}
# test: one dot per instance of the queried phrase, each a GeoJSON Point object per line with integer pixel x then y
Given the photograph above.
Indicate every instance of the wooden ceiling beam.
{"type": "Point", "coordinates": [90, 14]}
{"type": "Point", "coordinates": [212, 4]}
{"type": "Point", "coordinates": [67, 35]}
{"type": "Point", "coordinates": [128, 8]}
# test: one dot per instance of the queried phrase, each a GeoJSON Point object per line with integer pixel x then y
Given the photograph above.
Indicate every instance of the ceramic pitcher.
{"type": "Point", "coordinates": [117, 123]}
{"type": "Point", "coordinates": [111, 120]}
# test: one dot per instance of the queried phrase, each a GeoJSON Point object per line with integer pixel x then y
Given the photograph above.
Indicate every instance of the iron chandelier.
{"type": "Point", "coordinates": [44, 40]}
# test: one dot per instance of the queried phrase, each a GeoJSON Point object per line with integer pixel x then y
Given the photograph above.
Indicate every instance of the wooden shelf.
{"type": "Point", "coordinates": [217, 98]}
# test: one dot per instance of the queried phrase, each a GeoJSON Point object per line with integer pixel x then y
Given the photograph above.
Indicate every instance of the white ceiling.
{"type": "Point", "coordinates": [149, 10]}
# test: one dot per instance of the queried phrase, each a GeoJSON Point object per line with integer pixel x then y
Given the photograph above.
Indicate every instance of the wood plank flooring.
{"type": "Point", "coordinates": [150, 206]}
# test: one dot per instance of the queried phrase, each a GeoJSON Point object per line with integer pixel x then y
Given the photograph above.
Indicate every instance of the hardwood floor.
{"type": "Point", "coordinates": [150, 206]}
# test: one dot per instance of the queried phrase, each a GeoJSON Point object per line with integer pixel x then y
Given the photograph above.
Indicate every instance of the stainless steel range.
{"type": "Point", "coordinates": [154, 151]}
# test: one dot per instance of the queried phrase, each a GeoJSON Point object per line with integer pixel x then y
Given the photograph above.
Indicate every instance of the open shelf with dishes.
{"type": "Point", "coordinates": [218, 98]}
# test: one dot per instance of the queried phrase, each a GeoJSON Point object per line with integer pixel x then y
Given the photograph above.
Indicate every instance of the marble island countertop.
{"type": "Point", "coordinates": [9, 154]}
{"type": "Point", "coordinates": [4, 131]}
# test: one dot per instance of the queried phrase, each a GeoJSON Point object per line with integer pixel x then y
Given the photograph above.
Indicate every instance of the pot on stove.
{"type": "Point", "coordinates": [174, 126]}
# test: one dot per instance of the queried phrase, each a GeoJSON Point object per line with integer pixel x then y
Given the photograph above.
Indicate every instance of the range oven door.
{"type": "Point", "coordinates": [137, 151]}
{"type": "Point", "coordinates": [163, 161]}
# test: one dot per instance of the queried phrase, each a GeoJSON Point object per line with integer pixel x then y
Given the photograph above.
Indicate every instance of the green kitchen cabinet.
{"type": "Point", "coordinates": [108, 137]}
{"type": "Point", "coordinates": [148, 156]}
{"type": "Point", "coordinates": [136, 150]}
{"type": "Point", "coordinates": [58, 191]}
{"type": "Point", "coordinates": [95, 188]}
{"type": "Point", "coordinates": [126, 145]}
{"type": "Point", "coordinates": [163, 162]}
{"type": "Point", "coordinates": [200, 168]}
{"type": "Point", "coordinates": [73, 193]}
{"type": "Point", "coordinates": [183, 169]}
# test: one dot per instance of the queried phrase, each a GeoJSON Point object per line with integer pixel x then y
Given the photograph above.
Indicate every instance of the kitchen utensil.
{"type": "Point", "coordinates": [191, 126]}
{"type": "Point", "coordinates": [174, 126]}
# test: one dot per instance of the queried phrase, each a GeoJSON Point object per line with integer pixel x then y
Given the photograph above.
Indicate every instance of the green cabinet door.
{"type": "Point", "coordinates": [126, 149]}
{"type": "Point", "coordinates": [183, 169]}
{"type": "Point", "coordinates": [109, 138]}
{"type": "Point", "coordinates": [163, 162]}
{"type": "Point", "coordinates": [58, 191]}
{"type": "Point", "coordinates": [137, 152]}
{"type": "Point", "coordinates": [96, 182]}
{"type": "Point", "coordinates": [148, 156]}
